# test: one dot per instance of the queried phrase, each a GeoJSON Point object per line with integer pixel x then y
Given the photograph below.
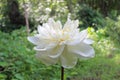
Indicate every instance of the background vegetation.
{"type": "Point", "coordinates": [100, 17]}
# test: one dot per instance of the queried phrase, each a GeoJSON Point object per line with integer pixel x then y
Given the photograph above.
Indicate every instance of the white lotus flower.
{"type": "Point", "coordinates": [64, 45]}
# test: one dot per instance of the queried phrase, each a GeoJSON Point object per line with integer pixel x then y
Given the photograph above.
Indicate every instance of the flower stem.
{"type": "Point", "coordinates": [62, 73]}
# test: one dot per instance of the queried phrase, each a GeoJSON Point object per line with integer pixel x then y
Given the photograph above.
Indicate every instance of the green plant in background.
{"type": "Point", "coordinates": [11, 18]}
{"type": "Point", "coordinates": [90, 17]}
{"type": "Point", "coordinates": [104, 6]}
{"type": "Point", "coordinates": [113, 30]}
{"type": "Point", "coordinates": [12, 13]}
{"type": "Point", "coordinates": [40, 11]}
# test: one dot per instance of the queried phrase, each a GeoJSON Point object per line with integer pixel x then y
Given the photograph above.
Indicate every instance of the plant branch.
{"type": "Point", "coordinates": [62, 73]}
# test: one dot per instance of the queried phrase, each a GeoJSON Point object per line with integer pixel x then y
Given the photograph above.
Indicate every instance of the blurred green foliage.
{"type": "Point", "coordinates": [11, 17]}
{"type": "Point", "coordinates": [90, 17]}
{"type": "Point", "coordinates": [113, 30]}
{"type": "Point", "coordinates": [104, 6]}
{"type": "Point", "coordinates": [39, 11]}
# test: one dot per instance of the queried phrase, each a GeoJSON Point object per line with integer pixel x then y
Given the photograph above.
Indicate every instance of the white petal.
{"type": "Point", "coordinates": [40, 42]}
{"type": "Point", "coordinates": [88, 41]}
{"type": "Point", "coordinates": [51, 23]}
{"type": "Point", "coordinates": [34, 39]}
{"type": "Point", "coordinates": [82, 50]}
{"type": "Point", "coordinates": [45, 47]}
{"type": "Point", "coordinates": [68, 59]}
{"type": "Point", "coordinates": [67, 24]}
{"type": "Point", "coordinates": [76, 24]}
{"type": "Point", "coordinates": [51, 20]}
{"type": "Point", "coordinates": [43, 57]}
{"type": "Point", "coordinates": [56, 52]}
{"type": "Point", "coordinates": [54, 26]}
{"type": "Point", "coordinates": [43, 31]}
{"type": "Point", "coordinates": [49, 56]}
{"type": "Point", "coordinates": [73, 42]}
{"type": "Point", "coordinates": [39, 48]}
{"type": "Point", "coordinates": [39, 28]}
{"type": "Point", "coordinates": [77, 38]}
{"type": "Point", "coordinates": [53, 50]}
{"type": "Point", "coordinates": [71, 25]}
{"type": "Point", "coordinates": [58, 25]}
{"type": "Point", "coordinates": [83, 35]}
{"type": "Point", "coordinates": [46, 26]}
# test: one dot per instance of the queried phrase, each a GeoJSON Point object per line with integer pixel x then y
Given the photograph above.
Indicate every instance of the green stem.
{"type": "Point", "coordinates": [62, 73]}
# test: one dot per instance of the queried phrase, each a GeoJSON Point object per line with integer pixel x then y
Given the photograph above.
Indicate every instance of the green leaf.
{"type": "Point", "coordinates": [2, 76]}
{"type": "Point", "coordinates": [3, 64]}
{"type": "Point", "coordinates": [19, 76]}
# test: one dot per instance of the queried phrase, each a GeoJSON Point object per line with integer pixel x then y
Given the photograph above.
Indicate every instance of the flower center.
{"type": "Point", "coordinates": [61, 40]}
